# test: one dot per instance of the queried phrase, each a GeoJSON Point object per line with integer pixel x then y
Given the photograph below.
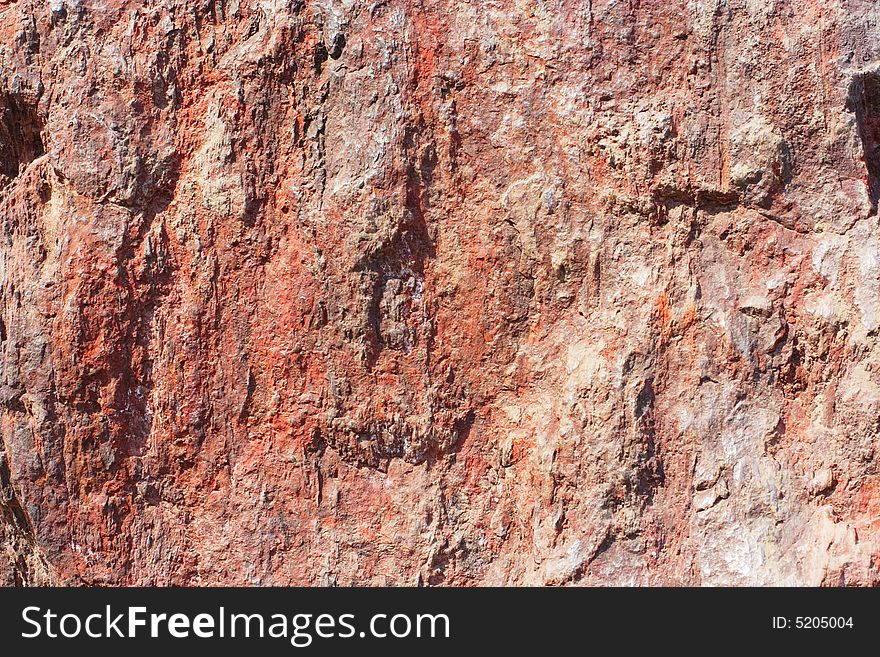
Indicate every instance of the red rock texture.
{"type": "Point", "coordinates": [449, 293]}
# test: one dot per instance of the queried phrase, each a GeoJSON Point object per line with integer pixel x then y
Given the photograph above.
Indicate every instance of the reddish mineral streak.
{"type": "Point", "coordinates": [445, 293]}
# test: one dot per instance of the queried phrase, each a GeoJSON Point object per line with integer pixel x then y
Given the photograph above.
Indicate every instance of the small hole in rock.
{"type": "Point", "coordinates": [337, 46]}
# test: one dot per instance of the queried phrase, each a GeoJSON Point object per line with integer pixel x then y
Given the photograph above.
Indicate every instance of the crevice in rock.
{"type": "Point", "coordinates": [864, 100]}
{"type": "Point", "coordinates": [21, 140]}
{"type": "Point", "coordinates": [321, 55]}
{"type": "Point", "coordinates": [17, 535]}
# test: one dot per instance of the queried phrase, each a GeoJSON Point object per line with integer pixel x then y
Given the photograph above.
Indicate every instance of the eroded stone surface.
{"type": "Point", "coordinates": [320, 292]}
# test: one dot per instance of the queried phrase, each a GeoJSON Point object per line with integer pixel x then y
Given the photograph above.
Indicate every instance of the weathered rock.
{"type": "Point", "coordinates": [331, 292]}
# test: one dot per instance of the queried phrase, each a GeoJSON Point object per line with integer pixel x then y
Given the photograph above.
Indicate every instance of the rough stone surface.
{"type": "Point", "coordinates": [442, 293]}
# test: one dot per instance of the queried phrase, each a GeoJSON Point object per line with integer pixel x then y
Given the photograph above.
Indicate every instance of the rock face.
{"type": "Point", "coordinates": [446, 293]}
